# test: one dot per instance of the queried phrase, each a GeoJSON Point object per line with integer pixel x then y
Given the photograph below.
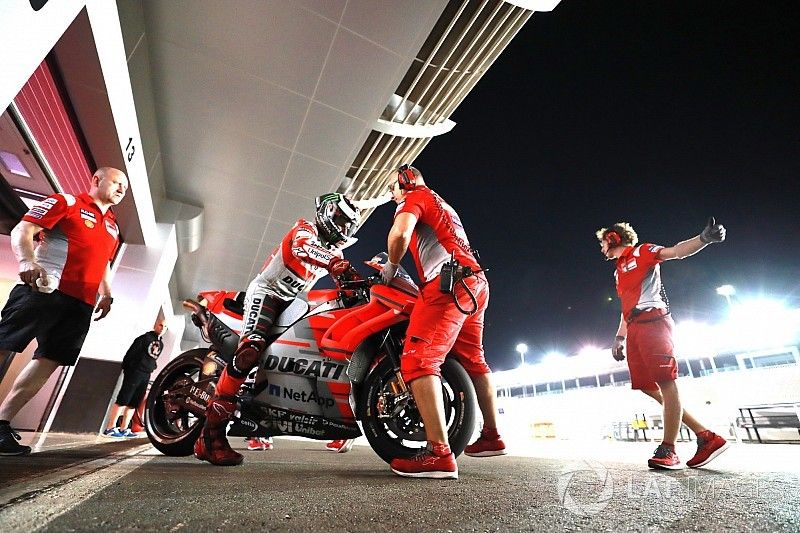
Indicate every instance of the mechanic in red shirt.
{"type": "Point", "coordinates": [645, 327]}
{"type": "Point", "coordinates": [64, 279]}
{"type": "Point", "coordinates": [433, 231]}
{"type": "Point", "coordinates": [304, 255]}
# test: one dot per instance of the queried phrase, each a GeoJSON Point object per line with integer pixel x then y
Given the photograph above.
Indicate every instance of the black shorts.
{"type": "Point", "coordinates": [134, 385]}
{"type": "Point", "coordinates": [58, 322]}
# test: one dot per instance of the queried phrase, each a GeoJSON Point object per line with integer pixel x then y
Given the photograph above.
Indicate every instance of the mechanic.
{"type": "Point", "coordinates": [645, 328]}
{"type": "Point", "coordinates": [441, 322]}
{"type": "Point", "coordinates": [65, 278]}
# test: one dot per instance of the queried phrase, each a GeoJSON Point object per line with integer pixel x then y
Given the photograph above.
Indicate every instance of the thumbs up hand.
{"type": "Point", "coordinates": [713, 232]}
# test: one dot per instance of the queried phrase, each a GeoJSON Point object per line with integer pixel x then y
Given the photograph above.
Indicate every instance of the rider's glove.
{"type": "Point", "coordinates": [388, 271]}
{"type": "Point", "coordinates": [713, 232]}
{"type": "Point", "coordinates": [338, 266]}
{"type": "Point", "coordinates": [618, 348]}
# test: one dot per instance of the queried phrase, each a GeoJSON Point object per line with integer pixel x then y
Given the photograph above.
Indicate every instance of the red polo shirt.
{"type": "Point", "coordinates": [638, 276]}
{"type": "Point", "coordinates": [77, 243]}
{"type": "Point", "coordinates": [438, 233]}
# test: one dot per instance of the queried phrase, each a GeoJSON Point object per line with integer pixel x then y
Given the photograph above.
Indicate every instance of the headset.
{"type": "Point", "coordinates": [613, 238]}
{"type": "Point", "coordinates": [406, 178]}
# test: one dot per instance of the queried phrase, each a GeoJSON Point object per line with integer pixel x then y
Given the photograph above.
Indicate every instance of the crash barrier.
{"type": "Point", "coordinates": [769, 416]}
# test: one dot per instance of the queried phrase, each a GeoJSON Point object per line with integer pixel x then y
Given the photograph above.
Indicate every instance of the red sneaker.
{"type": "Point", "coordinates": [665, 457]}
{"type": "Point", "coordinates": [486, 446]}
{"type": "Point", "coordinates": [258, 443]}
{"type": "Point", "coordinates": [709, 446]}
{"type": "Point", "coordinates": [436, 461]}
{"type": "Point", "coordinates": [340, 446]}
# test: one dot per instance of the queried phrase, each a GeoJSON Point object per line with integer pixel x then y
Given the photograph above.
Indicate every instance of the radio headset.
{"type": "Point", "coordinates": [452, 274]}
{"type": "Point", "coordinates": [613, 238]}
{"type": "Point", "coordinates": [406, 178]}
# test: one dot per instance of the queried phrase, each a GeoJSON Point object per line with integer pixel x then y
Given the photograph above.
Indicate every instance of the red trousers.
{"type": "Point", "coordinates": [437, 328]}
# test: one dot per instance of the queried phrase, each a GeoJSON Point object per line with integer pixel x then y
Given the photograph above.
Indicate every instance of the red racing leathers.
{"type": "Point", "coordinates": [436, 326]}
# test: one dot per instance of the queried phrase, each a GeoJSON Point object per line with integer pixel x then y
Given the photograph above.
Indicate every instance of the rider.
{"type": "Point", "coordinates": [302, 257]}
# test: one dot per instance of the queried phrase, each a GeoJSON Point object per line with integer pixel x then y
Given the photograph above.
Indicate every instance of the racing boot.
{"type": "Point", "coordinates": [212, 445]}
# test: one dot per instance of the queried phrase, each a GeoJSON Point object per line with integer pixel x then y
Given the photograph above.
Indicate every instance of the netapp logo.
{"type": "Point", "coordinates": [38, 4]}
{"type": "Point", "coordinates": [301, 396]}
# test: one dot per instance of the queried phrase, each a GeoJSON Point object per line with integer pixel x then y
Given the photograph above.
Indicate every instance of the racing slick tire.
{"type": "Point", "coordinates": [396, 430]}
{"type": "Point", "coordinates": [171, 427]}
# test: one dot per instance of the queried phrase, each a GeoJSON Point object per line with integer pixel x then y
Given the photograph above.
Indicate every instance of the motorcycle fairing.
{"type": "Point", "coordinates": [300, 378]}
{"type": "Point", "coordinates": [386, 308]}
{"type": "Point", "coordinates": [257, 420]}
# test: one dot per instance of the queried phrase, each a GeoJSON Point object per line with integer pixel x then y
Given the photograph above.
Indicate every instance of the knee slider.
{"type": "Point", "coordinates": [251, 346]}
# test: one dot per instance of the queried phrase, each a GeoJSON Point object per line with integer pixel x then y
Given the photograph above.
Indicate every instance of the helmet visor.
{"type": "Point", "coordinates": [344, 223]}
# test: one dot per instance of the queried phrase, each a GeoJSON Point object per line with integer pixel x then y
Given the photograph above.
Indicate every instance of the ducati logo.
{"type": "Point", "coordinates": [252, 314]}
{"type": "Point", "coordinates": [304, 367]}
{"type": "Point", "coordinates": [293, 283]}
{"type": "Point", "coordinates": [629, 265]}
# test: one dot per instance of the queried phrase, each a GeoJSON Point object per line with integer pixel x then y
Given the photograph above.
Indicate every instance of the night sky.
{"type": "Point", "coordinates": [655, 113]}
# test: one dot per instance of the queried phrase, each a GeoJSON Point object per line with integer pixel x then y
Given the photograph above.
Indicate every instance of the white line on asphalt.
{"type": "Point", "coordinates": [31, 506]}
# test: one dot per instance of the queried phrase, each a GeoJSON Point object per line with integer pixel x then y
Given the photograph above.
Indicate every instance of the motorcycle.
{"type": "Point", "coordinates": [332, 371]}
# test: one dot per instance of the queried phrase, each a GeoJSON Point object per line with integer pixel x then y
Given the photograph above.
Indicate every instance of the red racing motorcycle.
{"type": "Point", "coordinates": [332, 371]}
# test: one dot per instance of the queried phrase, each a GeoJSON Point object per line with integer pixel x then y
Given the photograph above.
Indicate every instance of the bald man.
{"type": "Point", "coordinates": [63, 281]}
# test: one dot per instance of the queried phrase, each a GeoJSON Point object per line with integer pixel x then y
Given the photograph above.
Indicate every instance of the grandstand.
{"type": "Point", "coordinates": [751, 359]}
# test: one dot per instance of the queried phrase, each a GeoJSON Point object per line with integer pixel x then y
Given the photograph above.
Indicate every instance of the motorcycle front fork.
{"type": "Point", "coordinates": [393, 350]}
{"type": "Point", "coordinates": [393, 401]}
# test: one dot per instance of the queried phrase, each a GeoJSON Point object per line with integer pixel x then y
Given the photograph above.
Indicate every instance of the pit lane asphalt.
{"type": "Point", "coordinates": [300, 486]}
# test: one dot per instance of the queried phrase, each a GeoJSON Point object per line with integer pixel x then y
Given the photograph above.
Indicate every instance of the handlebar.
{"type": "Point", "coordinates": [352, 280]}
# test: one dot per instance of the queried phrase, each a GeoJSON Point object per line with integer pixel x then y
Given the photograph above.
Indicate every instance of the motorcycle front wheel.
{"type": "Point", "coordinates": [171, 427]}
{"type": "Point", "coordinates": [391, 421]}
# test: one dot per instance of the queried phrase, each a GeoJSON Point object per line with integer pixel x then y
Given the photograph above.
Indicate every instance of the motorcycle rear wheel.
{"type": "Point", "coordinates": [172, 429]}
{"type": "Point", "coordinates": [403, 435]}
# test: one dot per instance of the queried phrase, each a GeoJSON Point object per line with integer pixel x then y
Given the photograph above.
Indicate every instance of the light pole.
{"type": "Point", "coordinates": [727, 291]}
{"type": "Point", "coordinates": [522, 348]}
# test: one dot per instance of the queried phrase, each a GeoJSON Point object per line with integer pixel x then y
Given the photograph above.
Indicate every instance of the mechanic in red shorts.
{"type": "Point", "coordinates": [645, 328]}
{"type": "Point", "coordinates": [432, 229]}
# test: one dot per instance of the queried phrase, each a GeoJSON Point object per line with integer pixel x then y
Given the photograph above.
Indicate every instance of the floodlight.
{"type": "Point", "coordinates": [726, 290]}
